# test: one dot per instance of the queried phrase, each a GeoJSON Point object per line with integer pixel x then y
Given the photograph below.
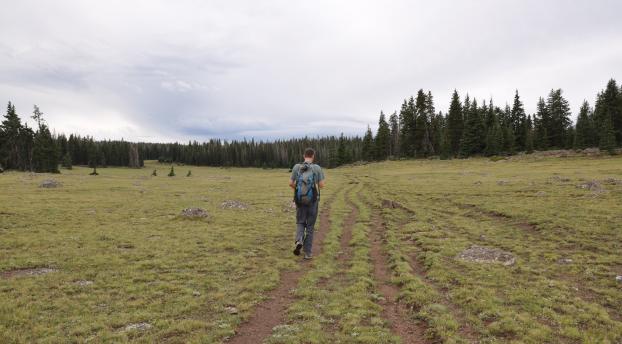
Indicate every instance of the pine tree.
{"type": "Point", "coordinates": [607, 140]}
{"type": "Point", "coordinates": [472, 137]}
{"type": "Point", "coordinates": [494, 138]}
{"type": "Point", "coordinates": [67, 161]}
{"type": "Point", "coordinates": [172, 172]}
{"type": "Point", "coordinates": [368, 145]}
{"type": "Point", "coordinates": [584, 129]}
{"type": "Point", "coordinates": [45, 152]}
{"type": "Point", "coordinates": [541, 123]}
{"type": "Point", "coordinates": [446, 152]}
{"type": "Point", "coordinates": [433, 129]}
{"type": "Point", "coordinates": [559, 112]}
{"type": "Point", "coordinates": [13, 137]}
{"type": "Point", "coordinates": [383, 139]}
{"type": "Point", "coordinates": [518, 118]}
{"type": "Point", "coordinates": [509, 140]}
{"type": "Point", "coordinates": [394, 124]}
{"type": "Point", "coordinates": [609, 107]}
{"type": "Point", "coordinates": [529, 136]}
{"type": "Point", "coordinates": [455, 123]}
{"type": "Point", "coordinates": [407, 120]}
{"type": "Point", "coordinates": [342, 151]}
{"type": "Point", "coordinates": [421, 134]}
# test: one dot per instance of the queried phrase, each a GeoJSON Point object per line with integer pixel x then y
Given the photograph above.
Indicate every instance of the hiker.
{"type": "Point", "coordinates": [307, 179]}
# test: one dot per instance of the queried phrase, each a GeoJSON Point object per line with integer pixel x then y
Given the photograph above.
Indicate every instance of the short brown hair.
{"type": "Point", "coordinates": [309, 153]}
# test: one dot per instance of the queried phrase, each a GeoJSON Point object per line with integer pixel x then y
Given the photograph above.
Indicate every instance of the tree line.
{"type": "Point", "coordinates": [469, 128]}
{"type": "Point", "coordinates": [472, 128]}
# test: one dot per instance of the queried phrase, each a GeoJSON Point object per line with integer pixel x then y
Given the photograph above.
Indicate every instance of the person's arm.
{"type": "Point", "coordinates": [321, 180]}
{"type": "Point", "coordinates": [292, 178]}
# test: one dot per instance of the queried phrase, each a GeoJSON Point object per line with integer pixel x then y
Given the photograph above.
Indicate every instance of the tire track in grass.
{"type": "Point", "coordinates": [271, 312]}
{"type": "Point", "coordinates": [444, 320]}
{"type": "Point", "coordinates": [394, 312]}
{"type": "Point", "coordinates": [342, 305]}
{"type": "Point", "coordinates": [583, 291]}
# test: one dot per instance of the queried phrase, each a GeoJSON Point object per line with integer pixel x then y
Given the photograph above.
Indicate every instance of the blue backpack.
{"type": "Point", "coordinates": [306, 192]}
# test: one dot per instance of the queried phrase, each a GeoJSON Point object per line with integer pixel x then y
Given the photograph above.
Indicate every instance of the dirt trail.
{"type": "Point", "coordinates": [272, 311]}
{"type": "Point", "coordinates": [395, 313]}
{"type": "Point", "coordinates": [346, 236]}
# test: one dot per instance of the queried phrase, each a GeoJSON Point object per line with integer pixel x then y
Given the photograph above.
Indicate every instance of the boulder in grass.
{"type": "Point", "coordinates": [591, 185]}
{"type": "Point", "coordinates": [143, 326]}
{"type": "Point", "coordinates": [481, 254]}
{"type": "Point", "coordinates": [233, 204]}
{"type": "Point", "coordinates": [194, 213]}
{"type": "Point", "coordinates": [83, 283]}
{"type": "Point", "coordinates": [49, 184]}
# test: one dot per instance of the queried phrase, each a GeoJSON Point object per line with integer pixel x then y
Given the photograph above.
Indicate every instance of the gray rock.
{"type": "Point", "coordinates": [84, 283]}
{"type": "Point", "coordinates": [591, 185]}
{"type": "Point", "coordinates": [619, 279]}
{"type": "Point", "coordinates": [481, 254]}
{"type": "Point", "coordinates": [194, 213]}
{"type": "Point", "coordinates": [233, 204]}
{"type": "Point", "coordinates": [143, 326]}
{"type": "Point", "coordinates": [49, 183]}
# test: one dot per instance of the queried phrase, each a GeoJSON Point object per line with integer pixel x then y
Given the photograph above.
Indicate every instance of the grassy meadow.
{"type": "Point", "coordinates": [125, 266]}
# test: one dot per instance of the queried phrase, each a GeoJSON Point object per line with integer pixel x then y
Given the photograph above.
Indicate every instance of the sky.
{"type": "Point", "coordinates": [183, 70]}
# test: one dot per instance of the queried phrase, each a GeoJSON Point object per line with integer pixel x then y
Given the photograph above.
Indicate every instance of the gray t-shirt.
{"type": "Point", "coordinates": [318, 175]}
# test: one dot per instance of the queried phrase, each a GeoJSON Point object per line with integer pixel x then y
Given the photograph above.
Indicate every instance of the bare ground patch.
{"type": "Point", "coordinates": [27, 272]}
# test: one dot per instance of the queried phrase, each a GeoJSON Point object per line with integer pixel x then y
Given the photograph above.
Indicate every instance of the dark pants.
{"type": "Point", "coordinates": [305, 222]}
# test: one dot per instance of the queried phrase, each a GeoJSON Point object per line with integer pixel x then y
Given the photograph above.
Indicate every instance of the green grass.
{"type": "Point", "coordinates": [122, 231]}
{"type": "Point", "coordinates": [521, 207]}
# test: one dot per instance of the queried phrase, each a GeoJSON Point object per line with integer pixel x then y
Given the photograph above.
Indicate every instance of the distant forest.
{"type": "Point", "coordinates": [469, 128]}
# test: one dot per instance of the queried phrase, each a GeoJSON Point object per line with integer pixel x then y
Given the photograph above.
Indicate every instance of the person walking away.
{"type": "Point", "coordinates": [307, 179]}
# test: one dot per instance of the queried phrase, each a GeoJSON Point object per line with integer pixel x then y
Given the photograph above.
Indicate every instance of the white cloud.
{"type": "Point", "coordinates": [161, 70]}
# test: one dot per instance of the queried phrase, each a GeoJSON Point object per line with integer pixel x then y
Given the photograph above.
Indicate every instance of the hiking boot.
{"type": "Point", "coordinates": [308, 256]}
{"type": "Point", "coordinates": [298, 247]}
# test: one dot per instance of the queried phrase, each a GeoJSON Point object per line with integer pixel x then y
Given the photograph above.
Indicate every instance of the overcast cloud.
{"type": "Point", "coordinates": [179, 70]}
